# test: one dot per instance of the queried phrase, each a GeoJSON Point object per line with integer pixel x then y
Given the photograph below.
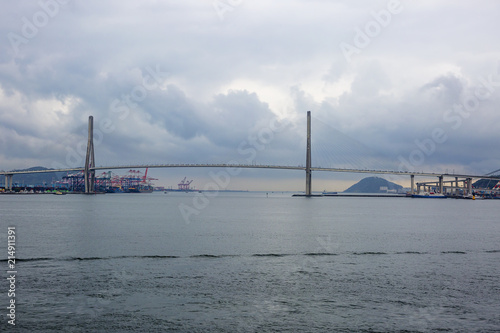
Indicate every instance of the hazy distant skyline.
{"type": "Point", "coordinates": [391, 84]}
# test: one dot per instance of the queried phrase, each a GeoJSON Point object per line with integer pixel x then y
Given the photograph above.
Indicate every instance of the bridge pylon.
{"type": "Point", "coordinates": [89, 172]}
{"type": "Point", "coordinates": [308, 156]}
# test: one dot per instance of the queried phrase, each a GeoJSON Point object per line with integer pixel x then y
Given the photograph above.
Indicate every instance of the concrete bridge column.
{"type": "Point", "coordinates": [308, 156]}
{"type": "Point", "coordinates": [412, 188]}
{"type": "Point", "coordinates": [469, 185]}
{"type": "Point", "coordinates": [89, 173]}
{"type": "Point", "coordinates": [8, 182]}
{"type": "Point", "coordinates": [441, 184]}
{"type": "Point", "coordinates": [456, 184]}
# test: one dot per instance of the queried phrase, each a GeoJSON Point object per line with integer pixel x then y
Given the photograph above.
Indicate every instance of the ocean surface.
{"type": "Point", "coordinates": [251, 262]}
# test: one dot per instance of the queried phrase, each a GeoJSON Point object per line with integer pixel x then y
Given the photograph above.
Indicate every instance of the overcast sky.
{"type": "Point", "coordinates": [391, 84]}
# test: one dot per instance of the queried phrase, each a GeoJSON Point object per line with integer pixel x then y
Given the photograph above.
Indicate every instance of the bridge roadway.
{"type": "Point", "coordinates": [254, 166]}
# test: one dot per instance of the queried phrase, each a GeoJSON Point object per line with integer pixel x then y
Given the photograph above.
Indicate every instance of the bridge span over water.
{"type": "Point", "coordinates": [89, 168]}
{"type": "Point", "coordinates": [250, 166]}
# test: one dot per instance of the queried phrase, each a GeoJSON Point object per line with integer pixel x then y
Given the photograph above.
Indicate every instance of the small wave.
{"type": "Point", "coordinates": [303, 272]}
{"type": "Point", "coordinates": [321, 254]}
{"type": "Point", "coordinates": [28, 259]}
{"type": "Point", "coordinates": [91, 258]}
{"type": "Point", "coordinates": [492, 251]}
{"type": "Point", "coordinates": [87, 258]}
{"type": "Point", "coordinates": [206, 256]}
{"type": "Point", "coordinates": [453, 252]}
{"type": "Point", "coordinates": [155, 257]}
{"type": "Point", "coordinates": [269, 255]}
{"type": "Point", "coordinates": [119, 257]}
{"type": "Point", "coordinates": [411, 252]}
{"type": "Point", "coordinates": [368, 253]}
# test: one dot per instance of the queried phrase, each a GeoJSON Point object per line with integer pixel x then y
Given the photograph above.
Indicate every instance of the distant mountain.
{"type": "Point", "coordinates": [373, 185]}
{"type": "Point", "coordinates": [34, 178]}
{"type": "Point", "coordinates": [486, 183]}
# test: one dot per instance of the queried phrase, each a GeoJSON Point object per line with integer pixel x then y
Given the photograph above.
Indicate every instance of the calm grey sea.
{"type": "Point", "coordinates": [246, 262]}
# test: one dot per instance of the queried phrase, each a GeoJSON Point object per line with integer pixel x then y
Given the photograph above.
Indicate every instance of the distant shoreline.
{"type": "Point", "coordinates": [357, 195]}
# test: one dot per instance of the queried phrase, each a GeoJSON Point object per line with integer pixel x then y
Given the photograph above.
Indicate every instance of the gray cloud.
{"type": "Point", "coordinates": [174, 111]}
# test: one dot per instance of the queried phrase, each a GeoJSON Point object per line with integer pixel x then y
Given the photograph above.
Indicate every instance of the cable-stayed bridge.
{"type": "Point", "coordinates": [89, 169]}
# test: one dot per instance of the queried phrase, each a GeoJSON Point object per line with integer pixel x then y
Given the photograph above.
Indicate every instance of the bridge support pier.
{"type": "Point", "coordinates": [89, 172]}
{"type": "Point", "coordinates": [308, 156]}
{"type": "Point", "coordinates": [469, 186]}
{"type": "Point", "coordinates": [8, 182]}
{"type": "Point", "coordinates": [441, 184]}
{"type": "Point", "coordinates": [412, 188]}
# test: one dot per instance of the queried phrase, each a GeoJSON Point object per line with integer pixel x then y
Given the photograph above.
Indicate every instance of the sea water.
{"type": "Point", "coordinates": [250, 262]}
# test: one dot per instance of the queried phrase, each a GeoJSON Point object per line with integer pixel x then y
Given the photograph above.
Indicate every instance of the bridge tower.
{"type": "Point", "coordinates": [89, 172]}
{"type": "Point", "coordinates": [308, 156]}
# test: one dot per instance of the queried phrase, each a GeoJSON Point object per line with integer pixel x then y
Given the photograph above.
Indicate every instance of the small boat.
{"type": "Point", "coordinates": [59, 193]}
{"type": "Point", "coordinates": [430, 195]}
{"type": "Point", "coordinates": [327, 193]}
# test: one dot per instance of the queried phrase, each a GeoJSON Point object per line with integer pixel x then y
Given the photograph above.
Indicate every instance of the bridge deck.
{"type": "Point", "coordinates": [255, 166]}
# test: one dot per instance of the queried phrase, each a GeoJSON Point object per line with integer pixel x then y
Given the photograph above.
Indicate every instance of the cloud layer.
{"type": "Point", "coordinates": [391, 84]}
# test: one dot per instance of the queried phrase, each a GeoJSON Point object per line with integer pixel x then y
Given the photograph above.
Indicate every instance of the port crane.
{"type": "Point", "coordinates": [184, 184]}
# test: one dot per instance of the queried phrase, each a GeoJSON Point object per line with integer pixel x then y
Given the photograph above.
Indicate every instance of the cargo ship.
{"type": "Point", "coordinates": [141, 189]}
{"type": "Point", "coordinates": [430, 195]}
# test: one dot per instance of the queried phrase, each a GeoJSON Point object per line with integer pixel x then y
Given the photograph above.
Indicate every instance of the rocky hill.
{"type": "Point", "coordinates": [485, 183]}
{"type": "Point", "coordinates": [373, 185]}
{"type": "Point", "coordinates": [34, 178]}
